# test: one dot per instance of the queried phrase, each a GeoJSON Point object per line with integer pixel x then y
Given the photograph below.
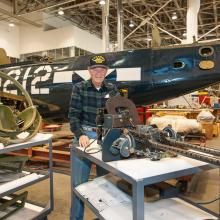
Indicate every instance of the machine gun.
{"type": "Point", "coordinates": [126, 137]}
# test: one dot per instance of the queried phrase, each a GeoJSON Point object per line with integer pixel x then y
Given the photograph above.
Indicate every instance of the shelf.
{"type": "Point", "coordinates": [29, 211]}
{"type": "Point", "coordinates": [15, 185]}
{"type": "Point", "coordinates": [39, 139]}
{"type": "Point", "coordinates": [109, 202]}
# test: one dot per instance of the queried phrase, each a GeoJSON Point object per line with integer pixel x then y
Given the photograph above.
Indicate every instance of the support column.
{"type": "Point", "coordinates": [72, 51]}
{"type": "Point", "coordinates": [105, 26]}
{"type": "Point", "coordinates": [120, 27]}
{"type": "Point", "coordinates": [192, 20]}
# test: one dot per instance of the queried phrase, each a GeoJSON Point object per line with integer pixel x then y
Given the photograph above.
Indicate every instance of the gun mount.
{"type": "Point", "coordinates": [127, 138]}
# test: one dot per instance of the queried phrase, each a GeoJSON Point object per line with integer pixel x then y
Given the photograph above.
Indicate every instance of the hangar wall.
{"type": "Point", "coordinates": [23, 38]}
{"type": "Point", "coordinates": [35, 39]}
{"type": "Point", "coordinates": [9, 39]}
{"type": "Point", "coordinates": [9, 36]}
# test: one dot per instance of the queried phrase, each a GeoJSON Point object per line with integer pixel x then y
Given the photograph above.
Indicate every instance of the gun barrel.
{"type": "Point", "coordinates": [208, 155]}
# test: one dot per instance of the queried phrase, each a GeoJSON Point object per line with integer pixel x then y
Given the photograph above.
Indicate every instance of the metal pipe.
{"type": "Point", "coordinates": [120, 26]}
{"type": "Point", "coordinates": [105, 26]}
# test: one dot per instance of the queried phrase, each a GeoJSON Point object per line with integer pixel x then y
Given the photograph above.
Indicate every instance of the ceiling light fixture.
{"type": "Point", "coordinates": [131, 24]}
{"type": "Point", "coordinates": [149, 38]}
{"type": "Point", "coordinates": [60, 11]}
{"type": "Point", "coordinates": [102, 2]}
{"type": "Point", "coordinates": [174, 16]}
{"type": "Point", "coordinates": [11, 24]}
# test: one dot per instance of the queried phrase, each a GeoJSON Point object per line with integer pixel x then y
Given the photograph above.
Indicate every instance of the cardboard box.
{"type": "Point", "coordinates": [207, 127]}
{"type": "Point", "coordinates": [215, 129]}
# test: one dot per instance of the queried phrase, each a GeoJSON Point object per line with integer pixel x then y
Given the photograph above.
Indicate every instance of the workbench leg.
{"type": "Point", "coordinates": [51, 174]}
{"type": "Point", "coordinates": [72, 185]}
{"type": "Point", "coordinates": [138, 201]}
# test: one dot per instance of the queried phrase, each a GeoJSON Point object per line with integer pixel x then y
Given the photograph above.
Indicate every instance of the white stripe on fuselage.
{"type": "Point", "coordinates": [62, 76]}
{"type": "Point", "coordinates": [128, 74]}
{"type": "Point", "coordinates": [122, 74]}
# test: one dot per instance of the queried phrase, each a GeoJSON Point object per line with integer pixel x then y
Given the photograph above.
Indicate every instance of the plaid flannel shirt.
{"type": "Point", "coordinates": [84, 102]}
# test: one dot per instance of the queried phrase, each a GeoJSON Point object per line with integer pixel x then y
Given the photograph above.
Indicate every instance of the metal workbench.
{"type": "Point", "coordinates": [140, 173]}
{"type": "Point", "coordinates": [30, 210]}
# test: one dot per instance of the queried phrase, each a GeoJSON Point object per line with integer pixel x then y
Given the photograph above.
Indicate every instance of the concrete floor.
{"type": "Point", "coordinates": [205, 187]}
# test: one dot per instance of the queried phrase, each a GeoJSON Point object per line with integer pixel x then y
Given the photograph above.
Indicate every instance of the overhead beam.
{"type": "Point", "coordinates": [75, 5]}
{"type": "Point", "coordinates": [20, 18]}
{"type": "Point", "coordinates": [201, 22]}
{"type": "Point", "coordinates": [137, 12]}
{"type": "Point", "coordinates": [41, 9]}
{"type": "Point", "coordinates": [167, 14]}
{"type": "Point", "coordinates": [146, 21]}
{"type": "Point", "coordinates": [209, 31]}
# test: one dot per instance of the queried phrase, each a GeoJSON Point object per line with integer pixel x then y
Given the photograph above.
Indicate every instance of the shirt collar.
{"type": "Point", "coordinates": [90, 84]}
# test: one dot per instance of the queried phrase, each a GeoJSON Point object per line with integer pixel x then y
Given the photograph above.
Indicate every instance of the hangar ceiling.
{"type": "Point", "coordinates": [87, 14]}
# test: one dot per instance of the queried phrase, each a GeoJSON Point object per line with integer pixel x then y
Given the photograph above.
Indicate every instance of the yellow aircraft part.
{"type": "Point", "coordinates": [3, 57]}
{"type": "Point", "coordinates": [206, 64]}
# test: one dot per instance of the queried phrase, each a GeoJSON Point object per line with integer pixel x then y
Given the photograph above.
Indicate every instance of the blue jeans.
{"type": "Point", "coordinates": [81, 170]}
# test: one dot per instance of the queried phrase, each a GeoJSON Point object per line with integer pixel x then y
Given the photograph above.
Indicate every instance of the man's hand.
{"type": "Point", "coordinates": [83, 141]}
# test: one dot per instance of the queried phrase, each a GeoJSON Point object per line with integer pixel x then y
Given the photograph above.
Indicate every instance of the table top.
{"type": "Point", "coordinates": [144, 168]}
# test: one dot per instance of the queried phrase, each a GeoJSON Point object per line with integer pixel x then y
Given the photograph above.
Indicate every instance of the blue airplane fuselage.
{"type": "Point", "coordinates": [148, 75]}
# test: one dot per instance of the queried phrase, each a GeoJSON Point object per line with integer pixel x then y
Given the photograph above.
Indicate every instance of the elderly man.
{"type": "Point", "coordinates": [87, 97]}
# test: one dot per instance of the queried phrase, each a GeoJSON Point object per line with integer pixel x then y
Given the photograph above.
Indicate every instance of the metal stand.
{"type": "Point", "coordinates": [140, 173]}
{"type": "Point", "coordinates": [36, 211]}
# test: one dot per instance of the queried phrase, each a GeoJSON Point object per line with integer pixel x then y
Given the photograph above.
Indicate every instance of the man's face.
{"type": "Point", "coordinates": [97, 75]}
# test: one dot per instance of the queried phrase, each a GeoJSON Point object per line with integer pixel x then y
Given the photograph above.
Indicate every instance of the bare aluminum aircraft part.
{"type": "Point", "coordinates": [17, 127]}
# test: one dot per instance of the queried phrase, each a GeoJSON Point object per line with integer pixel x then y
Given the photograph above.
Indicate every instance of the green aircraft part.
{"type": "Point", "coordinates": [18, 127]}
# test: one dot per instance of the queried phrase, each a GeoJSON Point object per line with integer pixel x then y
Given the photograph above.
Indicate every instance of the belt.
{"type": "Point", "coordinates": [89, 128]}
